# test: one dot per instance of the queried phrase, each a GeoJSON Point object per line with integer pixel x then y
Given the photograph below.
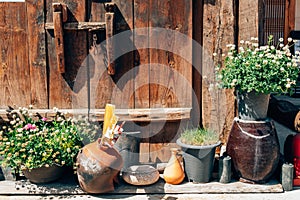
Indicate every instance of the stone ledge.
{"type": "Point", "coordinates": [69, 186]}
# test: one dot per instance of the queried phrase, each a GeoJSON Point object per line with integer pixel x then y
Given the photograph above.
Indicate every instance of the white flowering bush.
{"type": "Point", "coordinates": [30, 141]}
{"type": "Point", "coordinates": [263, 69]}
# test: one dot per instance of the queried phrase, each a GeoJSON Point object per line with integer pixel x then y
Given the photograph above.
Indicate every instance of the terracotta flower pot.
{"type": "Point", "coordinates": [98, 167]}
{"type": "Point", "coordinates": [44, 174]}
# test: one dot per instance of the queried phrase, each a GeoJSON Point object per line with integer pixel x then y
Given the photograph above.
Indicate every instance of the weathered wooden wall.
{"type": "Point", "coordinates": [148, 78]}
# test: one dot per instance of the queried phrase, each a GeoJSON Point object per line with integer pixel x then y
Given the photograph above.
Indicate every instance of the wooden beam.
{"type": "Point", "coordinates": [72, 26]}
{"type": "Point", "coordinates": [137, 115]}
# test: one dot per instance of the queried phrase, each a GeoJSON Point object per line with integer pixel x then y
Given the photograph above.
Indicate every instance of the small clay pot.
{"type": "Point", "coordinates": [140, 175]}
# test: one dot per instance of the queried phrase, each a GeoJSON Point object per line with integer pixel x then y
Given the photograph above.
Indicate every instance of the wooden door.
{"type": "Point", "coordinates": [152, 84]}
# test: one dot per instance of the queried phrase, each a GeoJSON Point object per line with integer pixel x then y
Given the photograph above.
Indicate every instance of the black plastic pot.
{"type": "Point", "coordinates": [198, 161]}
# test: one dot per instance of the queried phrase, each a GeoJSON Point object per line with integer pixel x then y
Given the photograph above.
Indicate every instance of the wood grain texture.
{"type": "Point", "coordinates": [167, 67]}
{"type": "Point", "coordinates": [65, 90]}
{"type": "Point", "coordinates": [14, 69]}
{"type": "Point", "coordinates": [289, 18]}
{"type": "Point", "coordinates": [218, 107]}
{"type": "Point", "coordinates": [59, 40]}
{"type": "Point", "coordinates": [170, 73]}
{"type": "Point", "coordinates": [248, 19]}
{"type": "Point", "coordinates": [117, 88]}
{"type": "Point", "coordinates": [141, 96]}
{"type": "Point", "coordinates": [37, 53]}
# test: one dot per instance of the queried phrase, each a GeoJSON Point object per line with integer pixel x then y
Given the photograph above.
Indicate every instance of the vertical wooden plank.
{"type": "Point", "coordinates": [117, 88]}
{"type": "Point", "coordinates": [289, 23]}
{"type": "Point", "coordinates": [37, 53]}
{"type": "Point", "coordinates": [14, 70]}
{"type": "Point", "coordinates": [170, 73]}
{"type": "Point", "coordinates": [100, 83]}
{"type": "Point", "coordinates": [197, 59]}
{"type": "Point", "coordinates": [218, 107]}
{"type": "Point", "coordinates": [248, 19]}
{"type": "Point", "coordinates": [141, 72]}
{"type": "Point", "coordinates": [172, 69]}
{"type": "Point", "coordinates": [69, 90]}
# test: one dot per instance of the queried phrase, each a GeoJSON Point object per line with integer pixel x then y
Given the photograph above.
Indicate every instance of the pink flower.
{"type": "Point", "coordinates": [44, 119]}
{"type": "Point", "coordinates": [30, 127]}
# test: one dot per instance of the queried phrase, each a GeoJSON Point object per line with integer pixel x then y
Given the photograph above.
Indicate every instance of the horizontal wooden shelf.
{"type": "Point", "coordinates": [139, 115]}
{"type": "Point", "coordinates": [72, 26]}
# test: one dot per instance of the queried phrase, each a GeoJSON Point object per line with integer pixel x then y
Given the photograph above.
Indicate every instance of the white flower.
{"type": "Point", "coordinates": [281, 69]}
{"type": "Point", "coordinates": [214, 54]}
{"type": "Point", "coordinates": [289, 64]}
{"type": "Point", "coordinates": [55, 109]}
{"type": "Point", "coordinates": [280, 39]}
{"type": "Point", "coordinates": [288, 85]}
{"type": "Point", "coordinates": [290, 39]}
{"type": "Point", "coordinates": [242, 41]}
{"type": "Point", "coordinates": [265, 62]}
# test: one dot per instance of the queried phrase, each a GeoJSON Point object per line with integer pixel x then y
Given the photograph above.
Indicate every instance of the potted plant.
{"type": "Point", "coordinates": [257, 71]}
{"type": "Point", "coordinates": [38, 147]}
{"type": "Point", "coordinates": [198, 146]}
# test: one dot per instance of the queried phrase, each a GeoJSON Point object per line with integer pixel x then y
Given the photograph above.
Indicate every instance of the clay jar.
{"type": "Point", "coordinates": [98, 167]}
{"type": "Point", "coordinates": [173, 173]}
